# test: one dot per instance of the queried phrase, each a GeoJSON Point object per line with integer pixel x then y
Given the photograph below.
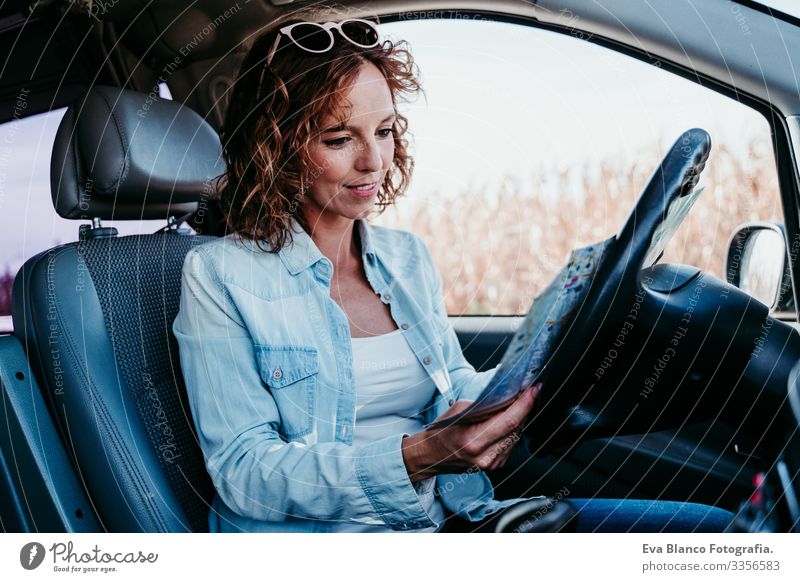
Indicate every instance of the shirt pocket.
{"type": "Point", "coordinates": [290, 375]}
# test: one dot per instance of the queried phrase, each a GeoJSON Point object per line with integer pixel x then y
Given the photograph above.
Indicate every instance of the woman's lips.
{"type": "Point", "coordinates": [363, 190]}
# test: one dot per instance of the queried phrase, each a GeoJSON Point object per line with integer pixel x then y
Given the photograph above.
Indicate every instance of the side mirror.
{"type": "Point", "coordinates": [758, 264]}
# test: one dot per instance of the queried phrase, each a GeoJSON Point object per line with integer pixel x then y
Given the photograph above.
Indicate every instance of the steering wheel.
{"type": "Point", "coordinates": [650, 346]}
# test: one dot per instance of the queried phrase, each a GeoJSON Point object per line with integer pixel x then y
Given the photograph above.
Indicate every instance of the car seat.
{"type": "Point", "coordinates": [95, 315]}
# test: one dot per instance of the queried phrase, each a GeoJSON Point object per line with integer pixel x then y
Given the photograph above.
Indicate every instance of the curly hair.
{"type": "Point", "coordinates": [275, 111]}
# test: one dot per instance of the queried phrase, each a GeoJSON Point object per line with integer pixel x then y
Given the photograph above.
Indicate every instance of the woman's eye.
{"type": "Point", "coordinates": [337, 142]}
{"type": "Point", "coordinates": [385, 132]}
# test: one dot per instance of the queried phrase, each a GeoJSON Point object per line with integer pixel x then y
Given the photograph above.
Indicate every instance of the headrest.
{"type": "Point", "coordinates": [124, 155]}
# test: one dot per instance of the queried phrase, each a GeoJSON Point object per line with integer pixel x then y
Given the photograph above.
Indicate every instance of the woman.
{"type": "Point", "coordinates": [315, 347]}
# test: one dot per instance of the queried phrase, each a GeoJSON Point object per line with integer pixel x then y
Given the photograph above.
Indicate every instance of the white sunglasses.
{"type": "Point", "coordinates": [318, 38]}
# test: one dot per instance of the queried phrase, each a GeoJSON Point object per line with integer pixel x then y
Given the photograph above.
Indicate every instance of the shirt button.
{"type": "Point", "coordinates": [451, 402]}
{"type": "Point", "coordinates": [387, 296]}
{"type": "Point", "coordinates": [427, 360]}
{"type": "Point", "coordinates": [277, 374]}
{"type": "Point", "coordinates": [404, 326]}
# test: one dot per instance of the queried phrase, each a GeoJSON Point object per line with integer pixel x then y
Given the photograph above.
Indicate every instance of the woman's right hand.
{"type": "Point", "coordinates": [462, 447]}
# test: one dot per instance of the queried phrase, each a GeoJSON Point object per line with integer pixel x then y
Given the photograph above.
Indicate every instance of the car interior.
{"type": "Point", "coordinates": [97, 434]}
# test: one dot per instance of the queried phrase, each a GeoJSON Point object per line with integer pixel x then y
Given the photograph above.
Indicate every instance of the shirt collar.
{"type": "Point", "coordinates": [365, 231]}
{"type": "Point", "coordinates": [301, 253]}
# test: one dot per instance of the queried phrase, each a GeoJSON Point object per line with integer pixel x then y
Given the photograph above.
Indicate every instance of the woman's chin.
{"type": "Point", "coordinates": [361, 209]}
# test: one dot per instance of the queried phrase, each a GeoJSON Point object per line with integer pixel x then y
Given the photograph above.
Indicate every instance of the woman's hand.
{"type": "Point", "coordinates": [464, 447]}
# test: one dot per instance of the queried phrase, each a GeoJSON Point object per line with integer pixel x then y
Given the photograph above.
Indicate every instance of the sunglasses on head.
{"type": "Point", "coordinates": [318, 38]}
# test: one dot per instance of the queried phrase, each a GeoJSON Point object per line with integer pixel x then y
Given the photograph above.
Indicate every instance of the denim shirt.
{"type": "Point", "coordinates": [267, 359]}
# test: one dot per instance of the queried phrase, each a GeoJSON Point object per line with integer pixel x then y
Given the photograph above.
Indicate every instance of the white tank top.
{"type": "Point", "coordinates": [392, 392]}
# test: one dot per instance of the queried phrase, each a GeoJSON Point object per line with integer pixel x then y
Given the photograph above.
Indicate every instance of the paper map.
{"type": "Point", "coordinates": [551, 312]}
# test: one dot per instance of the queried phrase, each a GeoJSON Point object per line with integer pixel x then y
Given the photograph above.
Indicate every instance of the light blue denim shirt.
{"type": "Point", "coordinates": [266, 356]}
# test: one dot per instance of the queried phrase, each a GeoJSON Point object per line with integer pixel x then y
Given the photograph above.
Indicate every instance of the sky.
{"type": "Point", "coordinates": [523, 98]}
{"type": "Point", "coordinates": [791, 7]}
{"type": "Point", "coordinates": [500, 100]}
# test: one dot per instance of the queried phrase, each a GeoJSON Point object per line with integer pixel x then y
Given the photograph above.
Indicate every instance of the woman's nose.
{"type": "Point", "coordinates": [369, 157]}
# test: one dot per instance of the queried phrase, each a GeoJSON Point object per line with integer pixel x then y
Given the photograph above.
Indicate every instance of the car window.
{"type": "Point", "coordinates": [28, 222]}
{"type": "Point", "coordinates": [789, 7]}
{"type": "Point", "coordinates": [529, 143]}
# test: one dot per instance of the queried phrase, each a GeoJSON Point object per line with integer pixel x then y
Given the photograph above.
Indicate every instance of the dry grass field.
{"type": "Point", "coordinates": [495, 251]}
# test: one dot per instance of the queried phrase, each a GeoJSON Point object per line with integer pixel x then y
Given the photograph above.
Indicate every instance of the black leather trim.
{"type": "Point", "coordinates": [66, 334]}
{"type": "Point", "coordinates": [125, 155]}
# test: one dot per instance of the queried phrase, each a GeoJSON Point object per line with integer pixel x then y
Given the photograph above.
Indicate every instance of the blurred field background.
{"type": "Point", "coordinates": [497, 247]}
